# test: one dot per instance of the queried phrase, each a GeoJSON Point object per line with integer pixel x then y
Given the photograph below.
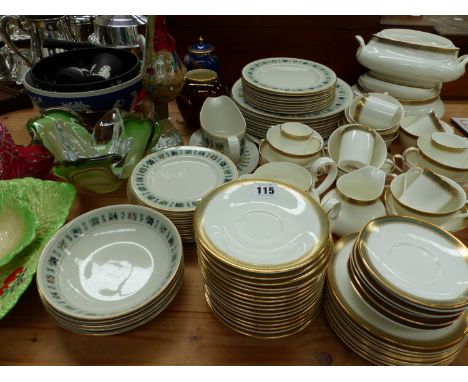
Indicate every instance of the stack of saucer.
{"type": "Point", "coordinates": [111, 270]}
{"type": "Point", "coordinates": [173, 181]}
{"type": "Point", "coordinates": [417, 281]}
{"type": "Point", "coordinates": [425, 268]}
{"type": "Point", "coordinates": [263, 248]}
{"type": "Point", "coordinates": [324, 121]}
{"type": "Point", "coordinates": [288, 85]}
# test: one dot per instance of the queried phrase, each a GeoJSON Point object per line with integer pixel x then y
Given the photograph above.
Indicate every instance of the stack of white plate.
{"type": "Point", "coordinates": [416, 312]}
{"type": "Point", "coordinates": [173, 181]}
{"type": "Point", "coordinates": [111, 270]}
{"type": "Point", "coordinates": [397, 279]}
{"type": "Point", "coordinates": [324, 121]}
{"type": "Point", "coordinates": [288, 85]}
{"type": "Point", "coordinates": [263, 248]}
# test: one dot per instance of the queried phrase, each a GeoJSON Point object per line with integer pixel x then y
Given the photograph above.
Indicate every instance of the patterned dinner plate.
{"type": "Point", "coordinates": [290, 76]}
{"type": "Point", "coordinates": [344, 96]}
{"type": "Point", "coordinates": [176, 179]}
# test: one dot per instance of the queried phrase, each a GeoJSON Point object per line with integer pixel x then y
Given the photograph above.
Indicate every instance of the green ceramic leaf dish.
{"type": "Point", "coordinates": [51, 203]}
{"type": "Point", "coordinates": [17, 227]}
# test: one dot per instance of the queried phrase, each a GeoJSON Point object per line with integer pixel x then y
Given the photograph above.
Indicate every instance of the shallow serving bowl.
{"type": "Point", "coordinates": [109, 262]}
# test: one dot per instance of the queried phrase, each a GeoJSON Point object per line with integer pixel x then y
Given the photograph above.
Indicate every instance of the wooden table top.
{"type": "Point", "coordinates": [186, 333]}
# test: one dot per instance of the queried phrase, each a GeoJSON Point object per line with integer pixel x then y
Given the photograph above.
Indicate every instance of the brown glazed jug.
{"type": "Point", "coordinates": [199, 85]}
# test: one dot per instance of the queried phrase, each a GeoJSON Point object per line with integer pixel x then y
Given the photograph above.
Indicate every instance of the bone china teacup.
{"type": "Point", "coordinates": [298, 176]}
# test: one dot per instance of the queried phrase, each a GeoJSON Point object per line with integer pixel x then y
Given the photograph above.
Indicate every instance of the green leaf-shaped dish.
{"type": "Point", "coordinates": [17, 227]}
{"type": "Point", "coordinates": [51, 203]}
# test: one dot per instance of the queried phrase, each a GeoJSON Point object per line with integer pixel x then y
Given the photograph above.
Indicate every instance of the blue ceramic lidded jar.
{"type": "Point", "coordinates": [200, 56]}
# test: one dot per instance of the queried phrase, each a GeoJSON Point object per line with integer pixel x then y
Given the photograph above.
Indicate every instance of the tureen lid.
{"type": "Point", "coordinates": [201, 47]}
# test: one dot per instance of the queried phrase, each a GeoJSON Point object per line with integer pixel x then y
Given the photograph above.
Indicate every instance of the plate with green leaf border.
{"type": "Point", "coordinates": [50, 202]}
{"type": "Point", "coordinates": [17, 227]}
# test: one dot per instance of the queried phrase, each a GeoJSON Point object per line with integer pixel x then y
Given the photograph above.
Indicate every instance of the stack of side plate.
{"type": "Point", "coordinates": [288, 85]}
{"type": "Point", "coordinates": [111, 270]}
{"type": "Point", "coordinates": [375, 336]}
{"type": "Point", "coordinates": [411, 271]}
{"type": "Point", "coordinates": [263, 249]}
{"type": "Point", "coordinates": [173, 181]}
{"type": "Point", "coordinates": [324, 121]}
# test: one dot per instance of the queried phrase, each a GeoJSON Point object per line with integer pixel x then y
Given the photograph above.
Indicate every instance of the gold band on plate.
{"type": "Point", "coordinates": [230, 261]}
{"type": "Point", "coordinates": [392, 301]}
{"type": "Point", "coordinates": [365, 256]}
{"type": "Point", "coordinates": [333, 312]}
{"type": "Point", "coordinates": [309, 273]}
{"type": "Point", "coordinates": [382, 307]}
{"type": "Point", "coordinates": [369, 327]}
{"type": "Point", "coordinates": [262, 279]}
{"type": "Point", "coordinates": [376, 352]}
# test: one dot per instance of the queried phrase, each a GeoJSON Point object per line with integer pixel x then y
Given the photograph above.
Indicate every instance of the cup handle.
{"type": "Point", "coordinates": [233, 148]}
{"type": "Point", "coordinates": [331, 176]}
{"type": "Point", "coordinates": [389, 179]}
{"type": "Point", "coordinates": [332, 208]}
{"type": "Point", "coordinates": [389, 164]}
{"type": "Point", "coordinates": [410, 171]}
{"type": "Point", "coordinates": [313, 192]}
{"type": "Point", "coordinates": [399, 157]}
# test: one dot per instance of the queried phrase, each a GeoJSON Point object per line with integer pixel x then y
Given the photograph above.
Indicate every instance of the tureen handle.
{"type": "Point", "coordinates": [360, 40]}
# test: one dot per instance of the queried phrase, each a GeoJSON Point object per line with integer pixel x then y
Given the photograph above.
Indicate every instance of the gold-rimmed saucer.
{"type": "Point", "coordinates": [375, 336]}
{"type": "Point", "coordinates": [275, 296]}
